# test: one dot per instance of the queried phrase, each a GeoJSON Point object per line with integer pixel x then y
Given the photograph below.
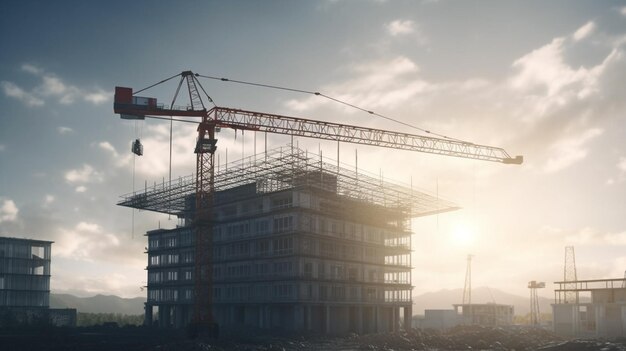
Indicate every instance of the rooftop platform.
{"type": "Point", "coordinates": [288, 168]}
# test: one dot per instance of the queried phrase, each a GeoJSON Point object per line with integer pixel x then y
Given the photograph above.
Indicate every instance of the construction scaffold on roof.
{"type": "Point", "coordinates": [285, 168]}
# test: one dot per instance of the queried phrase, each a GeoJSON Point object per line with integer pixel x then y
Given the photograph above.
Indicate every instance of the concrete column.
{"type": "Point", "coordinates": [359, 319]}
{"type": "Point", "coordinates": [178, 316]}
{"type": "Point", "coordinates": [600, 311]}
{"type": "Point", "coordinates": [327, 317]}
{"type": "Point", "coordinates": [408, 317]}
{"type": "Point", "coordinates": [308, 317]}
{"type": "Point", "coordinates": [147, 320]}
{"type": "Point", "coordinates": [298, 317]}
{"type": "Point", "coordinates": [377, 324]}
{"type": "Point", "coordinates": [394, 318]}
{"type": "Point", "coordinates": [260, 317]}
{"type": "Point", "coordinates": [164, 316]}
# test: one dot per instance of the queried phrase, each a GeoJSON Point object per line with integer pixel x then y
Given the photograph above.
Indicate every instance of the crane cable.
{"type": "Point", "coordinates": [335, 100]}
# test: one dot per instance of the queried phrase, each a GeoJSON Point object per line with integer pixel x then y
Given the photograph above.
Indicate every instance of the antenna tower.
{"type": "Point", "coordinates": [569, 275]}
{"type": "Point", "coordinates": [535, 314]}
{"type": "Point", "coordinates": [467, 289]}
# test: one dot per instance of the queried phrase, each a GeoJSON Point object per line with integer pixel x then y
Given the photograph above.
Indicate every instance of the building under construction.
{"type": "Point", "coordinates": [600, 313]}
{"type": "Point", "coordinates": [25, 284]}
{"type": "Point", "coordinates": [298, 244]}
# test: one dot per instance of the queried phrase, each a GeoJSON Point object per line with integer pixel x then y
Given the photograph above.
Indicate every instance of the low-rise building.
{"type": "Point", "coordinates": [486, 314]}
{"type": "Point", "coordinates": [25, 282]}
{"type": "Point", "coordinates": [603, 316]}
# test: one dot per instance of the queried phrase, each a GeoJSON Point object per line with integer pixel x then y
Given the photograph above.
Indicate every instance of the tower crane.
{"type": "Point", "coordinates": [130, 106]}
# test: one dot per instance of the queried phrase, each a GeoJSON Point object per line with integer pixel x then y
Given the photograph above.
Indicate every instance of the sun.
{"type": "Point", "coordinates": [463, 235]}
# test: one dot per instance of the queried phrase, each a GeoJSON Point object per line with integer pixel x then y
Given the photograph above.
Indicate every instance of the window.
{"type": "Point", "coordinates": [323, 292]}
{"type": "Point", "coordinates": [154, 277]}
{"type": "Point", "coordinates": [321, 271]}
{"type": "Point", "coordinates": [155, 260]}
{"type": "Point", "coordinates": [308, 270]}
{"type": "Point", "coordinates": [283, 290]}
{"type": "Point", "coordinates": [217, 293]}
{"type": "Point", "coordinates": [284, 268]}
{"type": "Point", "coordinates": [283, 246]}
{"type": "Point", "coordinates": [338, 292]}
{"type": "Point", "coordinates": [262, 226]}
{"type": "Point", "coordinates": [187, 256]}
{"type": "Point", "coordinates": [260, 269]}
{"type": "Point", "coordinates": [336, 272]}
{"type": "Point", "coordinates": [283, 224]}
{"type": "Point", "coordinates": [153, 243]}
{"type": "Point", "coordinates": [170, 241]}
{"type": "Point", "coordinates": [262, 248]}
{"type": "Point", "coordinates": [284, 202]}
{"type": "Point", "coordinates": [172, 275]}
{"type": "Point", "coordinates": [327, 249]}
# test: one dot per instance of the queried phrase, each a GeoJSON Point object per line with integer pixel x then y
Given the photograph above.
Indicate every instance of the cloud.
{"type": "Point", "coordinates": [400, 27]}
{"type": "Point", "coordinates": [2, 147]}
{"type": "Point", "coordinates": [118, 159]}
{"type": "Point", "coordinates": [621, 176]}
{"type": "Point", "coordinates": [105, 145]}
{"type": "Point", "coordinates": [80, 189]}
{"type": "Point", "coordinates": [97, 97]}
{"type": "Point", "coordinates": [589, 236]}
{"type": "Point", "coordinates": [53, 87]}
{"type": "Point", "coordinates": [64, 130]}
{"type": "Point", "coordinates": [32, 69]}
{"type": "Point", "coordinates": [86, 174]}
{"type": "Point", "coordinates": [546, 68]}
{"type": "Point", "coordinates": [8, 210]}
{"type": "Point", "coordinates": [623, 11]}
{"type": "Point", "coordinates": [48, 199]}
{"type": "Point", "coordinates": [568, 151]}
{"type": "Point", "coordinates": [13, 91]}
{"type": "Point", "coordinates": [584, 31]}
{"type": "Point", "coordinates": [83, 240]}
{"type": "Point", "coordinates": [376, 84]}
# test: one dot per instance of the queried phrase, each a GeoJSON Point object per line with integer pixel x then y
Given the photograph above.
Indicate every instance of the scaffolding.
{"type": "Point", "coordinates": [286, 168]}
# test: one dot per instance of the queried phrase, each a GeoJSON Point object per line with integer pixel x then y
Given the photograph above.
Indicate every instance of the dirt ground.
{"type": "Point", "coordinates": [141, 338]}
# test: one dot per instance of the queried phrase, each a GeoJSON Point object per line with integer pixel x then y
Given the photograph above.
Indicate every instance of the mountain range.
{"type": "Point", "coordinates": [98, 304]}
{"type": "Point", "coordinates": [442, 299]}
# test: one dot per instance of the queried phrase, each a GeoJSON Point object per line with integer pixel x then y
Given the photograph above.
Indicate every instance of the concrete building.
{"type": "Point", "coordinates": [487, 314]}
{"type": "Point", "coordinates": [25, 282]}
{"type": "Point", "coordinates": [602, 314]}
{"type": "Point", "coordinates": [298, 244]}
{"type": "Point", "coordinates": [24, 273]}
{"type": "Point", "coordinates": [438, 319]}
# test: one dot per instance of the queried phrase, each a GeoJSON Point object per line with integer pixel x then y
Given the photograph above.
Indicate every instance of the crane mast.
{"type": "Point", "coordinates": [132, 107]}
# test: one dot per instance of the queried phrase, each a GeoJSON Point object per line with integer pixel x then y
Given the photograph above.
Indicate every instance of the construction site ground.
{"type": "Point", "coordinates": [142, 338]}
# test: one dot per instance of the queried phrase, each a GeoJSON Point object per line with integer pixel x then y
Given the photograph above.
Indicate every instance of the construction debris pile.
{"type": "Point", "coordinates": [142, 338]}
{"type": "Point", "coordinates": [460, 338]}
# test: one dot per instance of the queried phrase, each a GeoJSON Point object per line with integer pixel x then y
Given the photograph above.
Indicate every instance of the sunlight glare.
{"type": "Point", "coordinates": [462, 235]}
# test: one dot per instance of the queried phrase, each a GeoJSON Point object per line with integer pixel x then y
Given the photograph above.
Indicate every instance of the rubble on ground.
{"type": "Point", "coordinates": [472, 338]}
{"type": "Point", "coordinates": [460, 338]}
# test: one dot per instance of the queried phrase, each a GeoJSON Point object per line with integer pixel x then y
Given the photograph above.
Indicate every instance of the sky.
{"type": "Point", "coordinates": [545, 80]}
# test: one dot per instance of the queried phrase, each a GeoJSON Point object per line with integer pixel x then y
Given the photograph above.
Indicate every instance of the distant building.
{"type": "Point", "coordinates": [438, 319]}
{"type": "Point", "coordinates": [604, 316]}
{"type": "Point", "coordinates": [294, 247]}
{"type": "Point", "coordinates": [25, 282]}
{"type": "Point", "coordinates": [488, 314]}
